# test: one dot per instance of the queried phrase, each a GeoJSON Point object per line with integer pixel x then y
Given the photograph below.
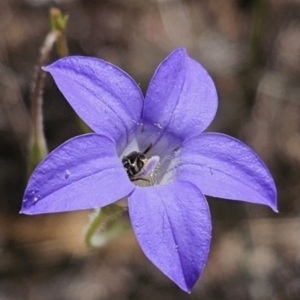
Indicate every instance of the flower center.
{"type": "Point", "coordinates": [133, 163]}
{"type": "Point", "coordinates": [140, 170]}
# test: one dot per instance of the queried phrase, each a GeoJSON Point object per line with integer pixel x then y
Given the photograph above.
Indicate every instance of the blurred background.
{"type": "Point", "coordinates": [251, 48]}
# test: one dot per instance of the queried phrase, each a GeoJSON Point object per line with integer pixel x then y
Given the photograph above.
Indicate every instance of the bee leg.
{"type": "Point", "coordinates": [140, 178]}
{"type": "Point", "coordinates": [146, 151]}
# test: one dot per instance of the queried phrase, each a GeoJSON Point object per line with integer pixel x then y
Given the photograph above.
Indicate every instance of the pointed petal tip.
{"type": "Point", "coordinates": [49, 68]}
{"type": "Point", "coordinates": [275, 209]}
{"type": "Point", "coordinates": [45, 68]}
{"type": "Point", "coordinates": [182, 52]}
{"type": "Point", "coordinates": [180, 49]}
{"type": "Point", "coordinates": [57, 63]}
{"type": "Point", "coordinates": [27, 208]}
{"type": "Point", "coordinates": [272, 203]}
{"type": "Point", "coordinates": [186, 288]}
{"type": "Point", "coordinates": [31, 210]}
{"type": "Point", "coordinates": [24, 211]}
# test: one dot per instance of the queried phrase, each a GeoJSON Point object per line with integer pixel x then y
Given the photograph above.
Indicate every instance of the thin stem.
{"type": "Point", "coordinates": [38, 143]}
{"type": "Point", "coordinates": [105, 221]}
{"type": "Point", "coordinates": [58, 22]}
{"type": "Point", "coordinates": [36, 96]}
{"type": "Point", "coordinates": [57, 35]}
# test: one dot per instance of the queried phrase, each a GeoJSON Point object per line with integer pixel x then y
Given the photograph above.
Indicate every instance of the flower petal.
{"type": "Point", "coordinates": [173, 226]}
{"type": "Point", "coordinates": [224, 167]}
{"type": "Point", "coordinates": [104, 96]}
{"type": "Point", "coordinates": [83, 173]}
{"type": "Point", "coordinates": [181, 99]}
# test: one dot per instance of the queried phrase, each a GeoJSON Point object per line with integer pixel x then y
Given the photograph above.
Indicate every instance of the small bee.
{"type": "Point", "coordinates": [134, 162]}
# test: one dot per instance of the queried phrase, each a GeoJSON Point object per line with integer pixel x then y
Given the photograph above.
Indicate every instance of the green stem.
{"type": "Point", "coordinates": [58, 22]}
{"type": "Point", "coordinates": [38, 148]}
{"type": "Point", "coordinates": [106, 222]}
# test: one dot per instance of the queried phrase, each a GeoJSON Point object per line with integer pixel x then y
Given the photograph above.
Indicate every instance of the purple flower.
{"type": "Point", "coordinates": [170, 216]}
